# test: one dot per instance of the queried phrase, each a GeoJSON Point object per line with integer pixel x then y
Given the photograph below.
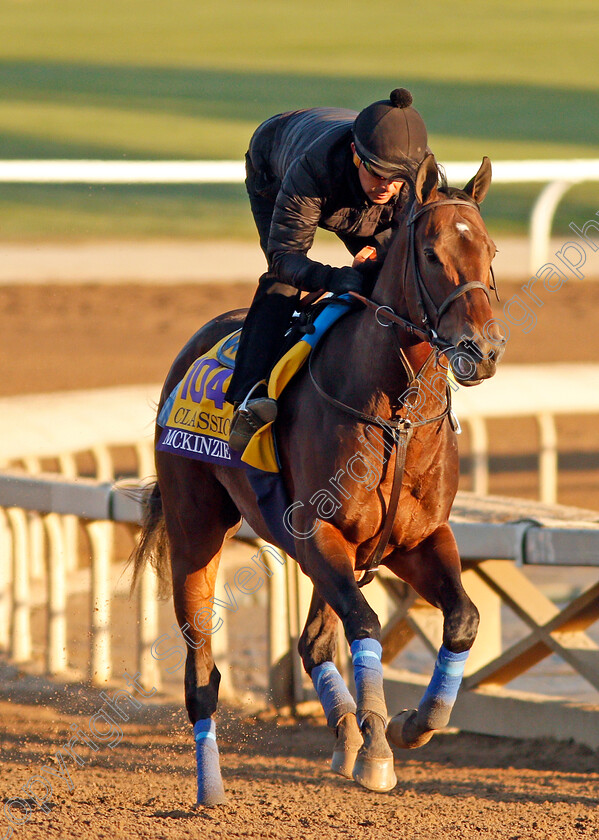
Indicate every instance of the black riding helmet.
{"type": "Point", "coordinates": [390, 134]}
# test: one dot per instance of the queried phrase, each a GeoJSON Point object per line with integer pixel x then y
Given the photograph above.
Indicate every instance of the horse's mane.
{"type": "Point", "coordinates": [451, 192]}
{"type": "Point", "coordinates": [442, 186]}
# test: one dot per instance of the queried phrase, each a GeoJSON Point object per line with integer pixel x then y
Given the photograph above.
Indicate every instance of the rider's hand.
{"type": "Point", "coordinates": [367, 253]}
{"type": "Point", "coordinates": [345, 280]}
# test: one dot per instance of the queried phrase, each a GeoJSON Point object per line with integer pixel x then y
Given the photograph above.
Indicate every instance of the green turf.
{"type": "Point", "coordinates": [190, 79]}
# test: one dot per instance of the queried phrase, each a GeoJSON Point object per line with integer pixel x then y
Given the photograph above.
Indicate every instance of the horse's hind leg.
{"type": "Point", "coordinates": [317, 649]}
{"type": "Point", "coordinates": [198, 513]}
{"type": "Point", "coordinates": [434, 571]}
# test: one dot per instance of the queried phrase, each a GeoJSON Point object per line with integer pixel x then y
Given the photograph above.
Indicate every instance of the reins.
{"type": "Point", "coordinates": [391, 316]}
{"type": "Point", "coordinates": [394, 424]}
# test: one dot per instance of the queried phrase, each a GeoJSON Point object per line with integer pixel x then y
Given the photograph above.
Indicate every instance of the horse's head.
{"type": "Point", "coordinates": [448, 272]}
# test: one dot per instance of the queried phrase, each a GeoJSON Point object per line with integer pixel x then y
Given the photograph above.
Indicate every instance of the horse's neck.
{"type": "Point", "coordinates": [389, 289]}
{"type": "Point", "coordinates": [381, 378]}
{"type": "Point", "coordinates": [383, 372]}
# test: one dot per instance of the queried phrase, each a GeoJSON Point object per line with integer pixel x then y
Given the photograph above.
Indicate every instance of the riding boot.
{"type": "Point", "coordinates": [261, 339]}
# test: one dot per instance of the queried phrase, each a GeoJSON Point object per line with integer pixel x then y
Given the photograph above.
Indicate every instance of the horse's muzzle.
{"type": "Point", "coordinates": [473, 360]}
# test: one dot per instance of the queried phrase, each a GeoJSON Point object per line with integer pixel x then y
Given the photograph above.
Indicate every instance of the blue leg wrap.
{"type": "Point", "coordinates": [210, 784]}
{"type": "Point", "coordinates": [438, 700]}
{"type": "Point", "coordinates": [332, 692]}
{"type": "Point", "coordinates": [368, 673]}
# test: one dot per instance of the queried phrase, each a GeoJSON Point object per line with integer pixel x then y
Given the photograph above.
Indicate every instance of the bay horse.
{"type": "Point", "coordinates": [373, 401]}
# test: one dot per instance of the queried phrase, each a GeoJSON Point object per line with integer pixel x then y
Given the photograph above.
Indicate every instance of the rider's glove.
{"type": "Point", "coordinates": [345, 280]}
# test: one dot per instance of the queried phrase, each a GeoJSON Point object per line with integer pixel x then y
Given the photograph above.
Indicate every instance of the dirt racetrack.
{"type": "Point", "coordinates": [459, 786]}
{"type": "Point", "coordinates": [278, 785]}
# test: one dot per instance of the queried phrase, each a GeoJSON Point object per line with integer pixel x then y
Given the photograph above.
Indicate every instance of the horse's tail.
{"type": "Point", "coordinates": [153, 546]}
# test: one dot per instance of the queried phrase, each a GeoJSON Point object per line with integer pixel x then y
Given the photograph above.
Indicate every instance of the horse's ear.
{"type": "Point", "coordinates": [426, 179]}
{"type": "Point", "coordinates": [478, 187]}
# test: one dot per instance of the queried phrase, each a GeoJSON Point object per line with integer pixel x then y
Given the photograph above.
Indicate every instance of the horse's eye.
{"type": "Point", "coordinates": [429, 253]}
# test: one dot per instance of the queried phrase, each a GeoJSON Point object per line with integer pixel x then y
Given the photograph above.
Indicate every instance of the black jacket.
{"type": "Point", "coordinates": [301, 176]}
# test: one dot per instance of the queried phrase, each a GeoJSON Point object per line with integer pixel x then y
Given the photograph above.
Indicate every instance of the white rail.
{"type": "Point", "coordinates": [96, 504]}
{"type": "Point", "coordinates": [62, 427]}
{"type": "Point", "coordinates": [121, 172]}
{"type": "Point", "coordinates": [558, 175]}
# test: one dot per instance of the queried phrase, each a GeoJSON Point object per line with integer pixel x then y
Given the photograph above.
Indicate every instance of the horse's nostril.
{"type": "Point", "coordinates": [471, 349]}
{"type": "Point", "coordinates": [481, 351]}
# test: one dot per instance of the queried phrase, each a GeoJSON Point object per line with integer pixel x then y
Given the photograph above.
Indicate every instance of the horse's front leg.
{"type": "Point", "coordinates": [325, 559]}
{"type": "Point", "coordinates": [317, 649]}
{"type": "Point", "coordinates": [433, 569]}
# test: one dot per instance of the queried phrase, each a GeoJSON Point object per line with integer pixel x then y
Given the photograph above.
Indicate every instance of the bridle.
{"type": "Point", "coordinates": [429, 313]}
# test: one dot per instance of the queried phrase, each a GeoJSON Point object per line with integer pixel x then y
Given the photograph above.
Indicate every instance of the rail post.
{"type": "Point", "coordinates": [220, 641]}
{"type": "Point", "coordinates": [479, 448]}
{"type": "Point", "coordinates": [56, 650]}
{"type": "Point", "coordinates": [147, 665]}
{"type": "Point", "coordinates": [6, 551]}
{"type": "Point", "coordinates": [548, 459]}
{"type": "Point", "coordinates": [541, 220]}
{"type": "Point", "coordinates": [279, 646]}
{"type": "Point", "coordinates": [20, 640]}
{"type": "Point", "coordinates": [37, 548]}
{"type": "Point", "coordinates": [100, 537]}
{"type": "Point", "coordinates": [68, 467]}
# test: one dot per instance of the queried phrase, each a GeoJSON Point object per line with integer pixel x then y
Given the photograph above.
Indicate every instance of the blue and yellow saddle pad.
{"type": "Point", "coordinates": [195, 418]}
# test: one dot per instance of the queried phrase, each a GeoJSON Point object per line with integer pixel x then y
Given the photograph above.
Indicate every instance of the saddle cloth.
{"type": "Point", "coordinates": [195, 419]}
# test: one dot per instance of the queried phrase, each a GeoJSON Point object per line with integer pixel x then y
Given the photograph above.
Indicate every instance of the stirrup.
{"type": "Point", "coordinates": [250, 416]}
{"type": "Point", "coordinates": [243, 404]}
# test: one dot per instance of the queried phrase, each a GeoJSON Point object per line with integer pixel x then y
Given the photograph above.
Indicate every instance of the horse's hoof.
{"type": "Point", "coordinates": [211, 798]}
{"type": "Point", "coordinates": [403, 731]}
{"type": "Point", "coordinates": [349, 741]}
{"type": "Point", "coordinates": [343, 762]}
{"type": "Point", "coordinates": [375, 774]}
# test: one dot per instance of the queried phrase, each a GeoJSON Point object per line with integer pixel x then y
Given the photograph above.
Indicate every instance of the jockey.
{"type": "Point", "coordinates": [319, 167]}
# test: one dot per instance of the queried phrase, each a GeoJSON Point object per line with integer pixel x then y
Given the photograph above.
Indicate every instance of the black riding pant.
{"type": "Point", "coordinates": [262, 336]}
{"type": "Point", "coordinates": [272, 307]}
